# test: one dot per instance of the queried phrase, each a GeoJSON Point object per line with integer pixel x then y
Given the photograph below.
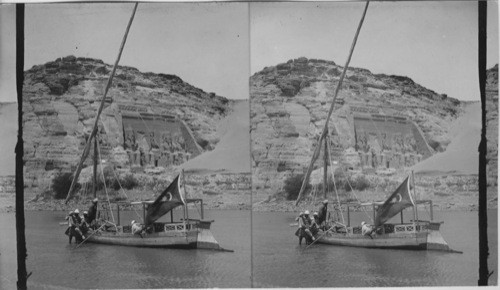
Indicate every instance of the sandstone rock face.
{"type": "Point", "coordinates": [290, 103]}
{"type": "Point", "coordinates": [61, 99]}
{"type": "Point", "coordinates": [492, 121]}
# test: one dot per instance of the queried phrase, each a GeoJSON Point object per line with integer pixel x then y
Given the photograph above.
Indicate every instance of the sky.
{"type": "Point", "coordinates": [207, 44]}
{"type": "Point", "coordinates": [434, 43]}
{"type": "Point", "coordinates": [216, 46]}
{"type": "Point", "coordinates": [7, 53]}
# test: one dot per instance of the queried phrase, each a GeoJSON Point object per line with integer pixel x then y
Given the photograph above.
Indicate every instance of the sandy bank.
{"type": "Point", "coordinates": [232, 153]}
{"type": "Point", "coordinates": [461, 155]}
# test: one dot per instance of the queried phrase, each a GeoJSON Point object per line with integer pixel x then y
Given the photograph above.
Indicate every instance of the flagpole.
{"type": "Point", "coordinates": [415, 214]}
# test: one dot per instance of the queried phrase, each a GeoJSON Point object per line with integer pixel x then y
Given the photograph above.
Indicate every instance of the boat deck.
{"type": "Point", "coordinates": [402, 236]}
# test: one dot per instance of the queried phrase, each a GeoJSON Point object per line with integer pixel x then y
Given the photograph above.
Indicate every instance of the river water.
{"type": "Point", "coordinates": [55, 264]}
{"type": "Point", "coordinates": [279, 261]}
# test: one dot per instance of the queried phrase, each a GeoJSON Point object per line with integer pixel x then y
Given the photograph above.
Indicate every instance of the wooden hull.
{"type": "Point", "coordinates": [187, 239]}
{"type": "Point", "coordinates": [413, 236]}
{"type": "Point", "coordinates": [164, 235]}
{"type": "Point", "coordinates": [410, 241]}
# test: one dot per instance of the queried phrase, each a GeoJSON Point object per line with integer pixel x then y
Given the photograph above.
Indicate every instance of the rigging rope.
{"type": "Point", "coordinates": [104, 181]}
{"type": "Point", "coordinates": [356, 197]}
{"type": "Point", "coordinates": [346, 177]}
{"type": "Point", "coordinates": [101, 107]}
{"type": "Point", "coordinates": [333, 177]}
{"type": "Point", "coordinates": [379, 133]}
{"type": "Point", "coordinates": [314, 194]}
{"type": "Point", "coordinates": [339, 85]}
{"type": "Point", "coordinates": [119, 183]}
{"type": "Point", "coordinates": [145, 125]}
{"type": "Point", "coordinates": [118, 180]}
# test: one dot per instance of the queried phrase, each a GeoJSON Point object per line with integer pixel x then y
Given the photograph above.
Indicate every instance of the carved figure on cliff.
{"type": "Point", "coordinates": [410, 143]}
{"type": "Point", "coordinates": [132, 141]}
{"type": "Point", "coordinates": [397, 144]}
{"type": "Point", "coordinates": [374, 155]}
{"type": "Point", "coordinates": [362, 142]}
{"type": "Point", "coordinates": [152, 140]}
{"type": "Point", "coordinates": [385, 142]}
{"type": "Point", "coordinates": [177, 143]}
{"type": "Point", "coordinates": [143, 143]}
{"type": "Point", "coordinates": [166, 144]}
{"type": "Point", "coordinates": [128, 142]}
{"type": "Point", "coordinates": [142, 157]}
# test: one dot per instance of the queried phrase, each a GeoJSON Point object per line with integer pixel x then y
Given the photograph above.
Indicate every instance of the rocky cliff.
{"type": "Point", "coordinates": [149, 119]}
{"type": "Point", "coordinates": [380, 121]}
{"type": "Point", "coordinates": [492, 122]}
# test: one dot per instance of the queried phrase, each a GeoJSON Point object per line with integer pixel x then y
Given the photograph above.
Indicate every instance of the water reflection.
{"type": "Point", "coordinates": [278, 261]}
{"type": "Point", "coordinates": [56, 263]}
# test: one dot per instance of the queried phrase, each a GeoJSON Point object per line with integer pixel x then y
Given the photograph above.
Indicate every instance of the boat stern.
{"type": "Point", "coordinates": [435, 241]}
{"type": "Point", "coordinates": [206, 239]}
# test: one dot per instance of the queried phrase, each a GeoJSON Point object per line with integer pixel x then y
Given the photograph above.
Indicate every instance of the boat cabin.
{"type": "Point", "coordinates": [414, 225]}
{"type": "Point", "coordinates": [183, 224]}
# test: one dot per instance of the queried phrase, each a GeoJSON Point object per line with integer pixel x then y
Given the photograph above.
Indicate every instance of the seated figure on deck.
{"type": "Point", "coordinates": [314, 228]}
{"type": "Point", "coordinates": [137, 228]}
{"type": "Point", "coordinates": [84, 225]}
{"type": "Point", "coordinates": [92, 214]}
{"type": "Point", "coordinates": [303, 231]}
{"type": "Point", "coordinates": [300, 232]}
{"type": "Point", "coordinates": [322, 214]}
{"type": "Point", "coordinates": [75, 222]}
{"type": "Point", "coordinates": [366, 229]}
{"type": "Point", "coordinates": [68, 231]}
{"type": "Point", "coordinates": [307, 227]}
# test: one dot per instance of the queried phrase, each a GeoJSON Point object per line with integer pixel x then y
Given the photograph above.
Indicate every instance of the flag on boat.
{"type": "Point", "coordinates": [169, 199]}
{"type": "Point", "coordinates": [399, 200]}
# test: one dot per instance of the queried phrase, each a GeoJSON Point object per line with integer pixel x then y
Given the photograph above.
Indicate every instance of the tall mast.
{"type": "Point", "coordinates": [415, 211]}
{"type": "Point", "coordinates": [325, 168]}
{"type": "Point", "coordinates": [22, 276]}
{"type": "Point", "coordinates": [325, 128]}
{"type": "Point", "coordinates": [94, 177]}
{"type": "Point", "coordinates": [484, 273]}
{"type": "Point", "coordinates": [101, 107]}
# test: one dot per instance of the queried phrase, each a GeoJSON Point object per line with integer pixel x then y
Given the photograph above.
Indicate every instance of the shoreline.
{"type": "Point", "coordinates": [238, 203]}
{"type": "Point", "coordinates": [290, 207]}
{"type": "Point", "coordinates": [262, 206]}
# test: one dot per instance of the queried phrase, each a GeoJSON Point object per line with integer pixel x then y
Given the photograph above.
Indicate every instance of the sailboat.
{"type": "Point", "coordinates": [415, 234]}
{"type": "Point", "coordinates": [184, 233]}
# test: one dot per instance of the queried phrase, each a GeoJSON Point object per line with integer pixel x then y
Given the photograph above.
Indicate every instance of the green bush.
{"type": "Point", "coordinates": [293, 185]}
{"type": "Point", "coordinates": [110, 179]}
{"type": "Point", "coordinates": [359, 182]}
{"type": "Point", "coordinates": [61, 184]}
{"type": "Point", "coordinates": [127, 182]}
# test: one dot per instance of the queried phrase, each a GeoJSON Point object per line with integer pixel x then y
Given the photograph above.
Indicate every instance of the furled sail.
{"type": "Point", "coordinates": [169, 199]}
{"type": "Point", "coordinates": [399, 200]}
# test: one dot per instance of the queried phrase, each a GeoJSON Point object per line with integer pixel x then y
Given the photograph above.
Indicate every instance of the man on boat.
{"type": "Point", "coordinates": [300, 231]}
{"type": "Point", "coordinates": [314, 224]}
{"type": "Point", "coordinates": [137, 228]}
{"type": "Point", "coordinates": [307, 227]}
{"type": "Point", "coordinates": [92, 213]}
{"type": "Point", "coordinates": [366, 229]}
{"type": "Point", "coordinates": [322, 213]}
{"type": "Point", "coordinates": [76, 221]}
{"type": "Point", "coordinates": [84, 225]}
{"type": "Point", "coordinates": [68, 231]}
